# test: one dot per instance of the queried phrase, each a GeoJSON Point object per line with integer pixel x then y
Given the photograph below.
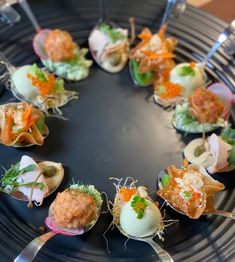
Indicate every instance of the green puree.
{"type": "Point", "coordinates": [141, 79]}
{"type": "Point", "coordinates": [75, 69]}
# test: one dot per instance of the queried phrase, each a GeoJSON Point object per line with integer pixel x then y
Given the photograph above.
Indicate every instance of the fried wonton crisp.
{"type": "Point", "coordinates": [190, 190]}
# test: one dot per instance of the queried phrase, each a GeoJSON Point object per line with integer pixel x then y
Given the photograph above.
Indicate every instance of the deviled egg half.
{"type": "Point", "coordinates": [189, 76]}
{"type": "Point", "coordinates": [140, 217]}
{"type": "Point", "coordinates": [134, 212]}
{"type": "Point", "coordinates": [34, 85]}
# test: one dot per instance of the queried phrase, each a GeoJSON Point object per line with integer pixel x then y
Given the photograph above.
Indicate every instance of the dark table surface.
{"type": "Point", "coordinates": [115, 130]}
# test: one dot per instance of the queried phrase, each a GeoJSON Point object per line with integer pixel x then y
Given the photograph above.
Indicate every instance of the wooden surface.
{"type": "Point", "coordinates": [224, 9]}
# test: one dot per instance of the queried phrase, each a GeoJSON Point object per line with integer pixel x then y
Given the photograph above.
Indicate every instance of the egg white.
{"type": "Point", "coordinates": [23, 84]}
{"type": "Point", "coordinates": [188, 82]}
{"type": "Point", "coordinates": [146, 226]}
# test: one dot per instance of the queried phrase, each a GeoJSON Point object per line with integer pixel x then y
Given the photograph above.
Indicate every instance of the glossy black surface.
{"type": "Point", "coordinates": [115, 130]}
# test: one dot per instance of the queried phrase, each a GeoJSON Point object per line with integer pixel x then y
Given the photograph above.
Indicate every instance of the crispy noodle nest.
{"type": "Point", "coordinates": [29, 137]}
{"type": "Point", "coordinates": [191, 208]}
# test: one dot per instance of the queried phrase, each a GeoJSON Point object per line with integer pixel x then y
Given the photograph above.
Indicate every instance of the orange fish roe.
{"type": "Point", "coordinates": [127, 193]}
{"type": "Point", "coordinates": [168, 90]}
{"type": "Point", "coordinates": [192, 64]}
{"type": "Point", "coordinates": [45, 87]}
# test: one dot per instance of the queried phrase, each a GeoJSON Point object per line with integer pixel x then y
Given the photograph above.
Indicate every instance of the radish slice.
{"type": "Point", "coordinates": [29, 177]}
{"type": "Point", "coordinates": [226, 95]}
{"type": "Point", "coordinates": [50, 222]}
{"type": "Point", "coordinates": [39, 42]}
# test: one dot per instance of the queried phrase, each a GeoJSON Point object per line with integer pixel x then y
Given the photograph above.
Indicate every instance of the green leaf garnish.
{"type": "Point", "coordinates": [59, 85]}
{"type": "Point", "coordinates": [41, 125]}
{"type": "Point", "coordinates": [112, 33]}
{"type": "Point", "coordinates": [11, 175]}
{"type": "Point", "coordinates": [38, 73]}
{"type": "Point", "coordinates": [231, 156]}
{"type": "Point", "coordinates": [39, 185]}
{"type": "Point", "coordinates": [186, 71]}
{"type": "Point", "coordinates": [165, 180]}
{"type": "Point", "coordinates": [228, 135]}
{"type": "Point", "coordinates": [139, 205]}
{"type": "Point", "coordinates": [141, 79]}
{"type": "Point", "coordinates": [162, 90]}
{"type": "Point", "coordinates": [88, 189]}
{"type": "Point", "coordinates": [187, 195]}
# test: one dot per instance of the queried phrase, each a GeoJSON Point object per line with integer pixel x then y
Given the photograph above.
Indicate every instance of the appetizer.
{"type": "Point", "coordinates": [226, 95]}
{"type": "Point", "coordinates": [189, 76]}
{"type": "Point", "coordinates": [22, 125]}
{"type": "Point", "coordinates": [189, 190]}
{"type": "Point", "coordinates": [31, 181]}
{"type": "Point", "coordinates": [219, 153]}
{"type": "Point", "coordinates": [168, 94]}
{"type": "Point", "coordinates": [76, 207]}
{"type": "Point", "coordinates": [61, 55]}
{"type": "Point", "coordinates": [109, 46]}
{"type": "Point", "coordinates": [31, 84]}
{"type": "Point", "coordinates": [152, 59]}
{"type": "Point", "coordinates": [134, 212]}
{"type": "Point", "coordinates": [182, 81]}
{"type": "Point", "coordinates": [202, 112]}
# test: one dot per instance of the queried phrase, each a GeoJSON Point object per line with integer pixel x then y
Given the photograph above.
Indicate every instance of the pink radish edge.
{"type": "Point", "coordinates": [226, 95]}
{"type": "Point", "coordinates": [39, 42]}
{"type": "Point", "coordinates": [50, 222]}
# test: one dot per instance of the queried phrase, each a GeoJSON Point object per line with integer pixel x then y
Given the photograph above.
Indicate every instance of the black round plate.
{"type": "Point", "coordinates": [115, 130]}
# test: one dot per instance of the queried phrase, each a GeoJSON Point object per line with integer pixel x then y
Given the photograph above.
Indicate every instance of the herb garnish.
{"type": "Point", "coordinates": [228, 135]}
{"type": "Point", "coordinates": [11, 175]}
{"type": "Point", "coordinates": [187, 195]}
{"type": "Point", "coordinates": [59, 85]}
{"type": "Point", "coordinates": [139, 205]}
{"type": "Point", "coordinates": [41, 124]}
{"type": "Point", "coordinates": [112, 33]}
{"type": "Point", "coordinates": [88, 189]}
{"type": "Point", "coordinates": [38, 73]}
{"type": "Point", "coordinates": [165, 180]}
{"type": "Point", "coordinates": [162, 90]}
{"type": "Point", "coordinates": [186, 71]}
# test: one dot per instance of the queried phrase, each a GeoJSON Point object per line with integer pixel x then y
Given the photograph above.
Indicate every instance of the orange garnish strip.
{"type": "Point", "coordinates": [153, 55]}
{"type": "Point", "coordinates": [9, 123]}
{"type": "Point", "coordinates": [161, 32]}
